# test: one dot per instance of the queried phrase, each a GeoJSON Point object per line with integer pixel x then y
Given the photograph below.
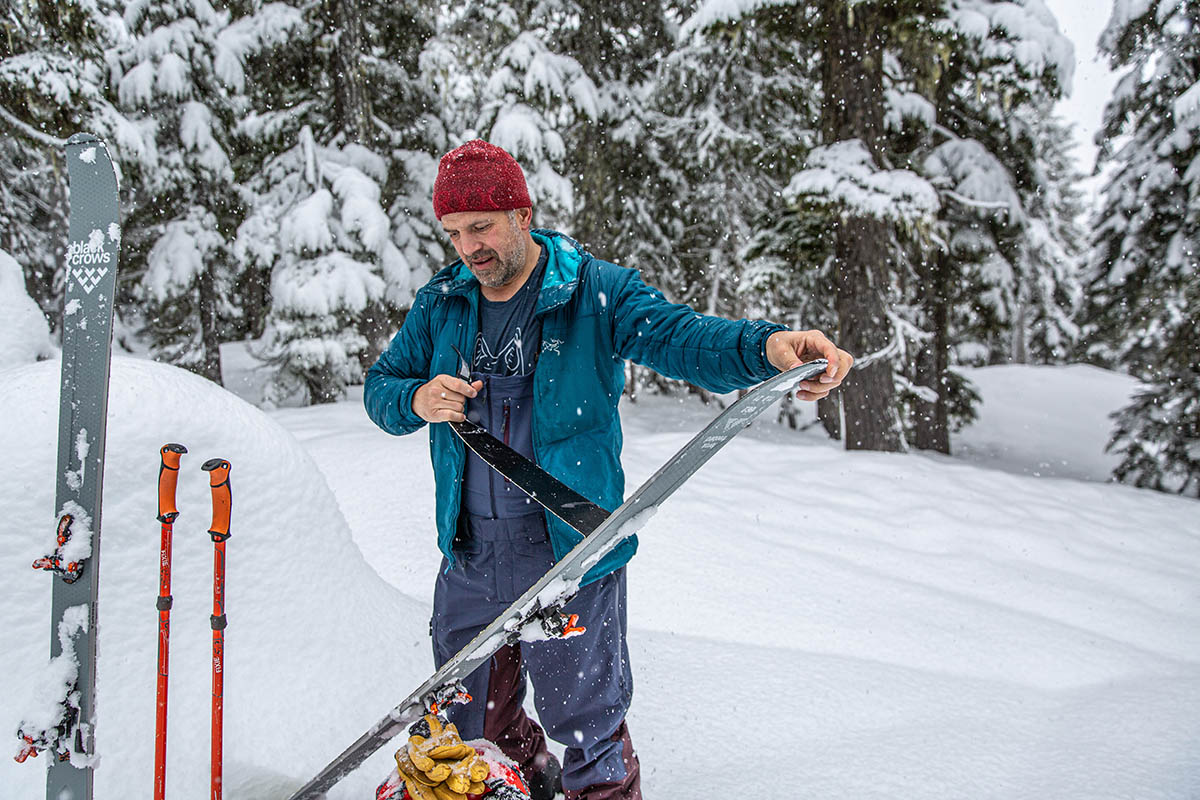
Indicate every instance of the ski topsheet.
{"type": "Point", "coordinates": [91, 270]}
{"type": "Point", "coordinates": [538, 612]}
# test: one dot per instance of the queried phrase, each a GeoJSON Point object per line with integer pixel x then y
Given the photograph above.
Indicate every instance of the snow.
{"type": "Point", "coordinates": [54, 693]}
{"type": "Point", "coordinates": [714, 12]}
{"type": "Point", "coordinates": [844, 174]}
{"type": "Point", "coordinates": [1002, 623]}
{"type": "Point", "coordinates": [24, 332]}
{"type": "Point", "coordinates": [79, 546]}
{"type": "Point", "coordinates": [1187, 107]}
{"type": "Point", "coordinates": [298, 637]}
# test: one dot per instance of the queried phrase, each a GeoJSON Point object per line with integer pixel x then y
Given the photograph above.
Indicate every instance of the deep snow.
{"type": "Point", "coordinates": [876, 625]}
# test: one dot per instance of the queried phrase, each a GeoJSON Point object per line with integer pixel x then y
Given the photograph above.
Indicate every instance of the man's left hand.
{"type": "Point", "coordinates": [787, 349]}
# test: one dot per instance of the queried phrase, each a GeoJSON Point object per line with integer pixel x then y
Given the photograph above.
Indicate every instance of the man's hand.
{"type": "Point", "coordinates": [787, 349]}
{"type": "Point", "coordinates": [443, 399]}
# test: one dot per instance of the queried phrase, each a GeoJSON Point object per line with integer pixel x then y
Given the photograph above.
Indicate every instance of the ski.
{"type": "Point", "coordinates": [537, 613]}
{"type": "Point", "coordinates": [91, 271]}
{"type": "Point", "coordinates": [552, 494]}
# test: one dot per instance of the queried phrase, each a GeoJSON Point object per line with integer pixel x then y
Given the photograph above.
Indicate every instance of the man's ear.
{"type": "Point", "coordinates": [525, 218]}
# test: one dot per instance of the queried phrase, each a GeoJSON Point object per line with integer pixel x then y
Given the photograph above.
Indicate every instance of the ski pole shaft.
{"type": "Point", "coordinates": [222, 504]}
{"type": "Point", "coordinates": [168, 477]}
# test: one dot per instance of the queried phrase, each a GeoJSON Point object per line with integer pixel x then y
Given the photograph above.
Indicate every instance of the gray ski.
{"type": "Point", "coordinates": [538, 612]}
{"type": "Point", "coordinates": [91, 270]}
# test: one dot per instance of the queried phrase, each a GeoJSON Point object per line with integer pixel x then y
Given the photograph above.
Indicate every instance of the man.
{"type": "Point", "coordinates": [547, 328]}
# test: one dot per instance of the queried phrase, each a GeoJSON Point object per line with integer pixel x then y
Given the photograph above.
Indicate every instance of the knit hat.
{"type": "Point", "coordinates": [478, 176]}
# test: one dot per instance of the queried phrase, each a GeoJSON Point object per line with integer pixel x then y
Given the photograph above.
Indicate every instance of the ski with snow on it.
{"type": "Point", "coordinates": [66, 732]}
{"type": "Point", "coordinates": [538, 613]}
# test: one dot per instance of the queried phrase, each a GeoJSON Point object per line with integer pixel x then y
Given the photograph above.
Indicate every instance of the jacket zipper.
{"type": "Point", "coordinates": [507, 416]}
{"type": "Point", "coordinates": [487, 387]}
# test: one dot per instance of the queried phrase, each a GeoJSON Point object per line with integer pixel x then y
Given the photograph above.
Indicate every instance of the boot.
{"type": "Point", "coordinates": [546, 782]}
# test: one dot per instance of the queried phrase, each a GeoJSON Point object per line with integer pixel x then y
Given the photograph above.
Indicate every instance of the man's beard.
{"type": "Point", "coordinates": [504, 268]}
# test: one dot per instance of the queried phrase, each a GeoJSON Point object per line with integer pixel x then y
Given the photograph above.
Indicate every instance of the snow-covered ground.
{"type": "Point", "coordinates": [806, 622]}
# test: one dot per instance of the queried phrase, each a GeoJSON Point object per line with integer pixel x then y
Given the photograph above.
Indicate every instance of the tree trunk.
{"type": "Point", "coordinates": [852, 65]}
{"type": "Point", "coordinates": [352, 103]}
{"type": "Point", "coordinates": [829, 411]}
{"type": "Point", "coordinates": [933, 419]}
{"type": "Point", "coordinates": [210, 341]}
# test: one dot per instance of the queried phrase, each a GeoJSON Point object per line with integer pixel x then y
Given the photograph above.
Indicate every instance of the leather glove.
{"type": "Point", "coordinates": [440, 766]}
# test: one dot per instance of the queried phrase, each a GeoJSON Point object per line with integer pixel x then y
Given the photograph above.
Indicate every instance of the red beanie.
{"type": "Point", "coordinates": [478, 177]}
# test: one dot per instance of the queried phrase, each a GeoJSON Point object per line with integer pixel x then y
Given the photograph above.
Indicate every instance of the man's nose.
{"type": "Point", "coordinates": [470, 245]}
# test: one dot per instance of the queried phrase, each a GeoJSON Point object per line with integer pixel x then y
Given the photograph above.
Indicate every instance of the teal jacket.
{"type": "Point", "coordinates": [594, 316]}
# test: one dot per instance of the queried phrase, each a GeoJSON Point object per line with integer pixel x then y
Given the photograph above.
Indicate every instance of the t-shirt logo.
{"type": "Point", "coordinates": [509, 361]}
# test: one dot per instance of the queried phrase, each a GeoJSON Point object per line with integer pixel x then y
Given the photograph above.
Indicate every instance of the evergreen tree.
{"type": "Point", "coordinates": [1144, 279]}
{"type": "Point", "coordinates": [1000, 283]}
{"type": "Point", "coordinates": [338, 284]}
{"type": "Point", "coordinates": [500, 77]}
{"type": "Point", "coordinates": [733, 112]}
{"type": "Point", "coordinates": [54, 82]}
{"type": "Point", "coordinates": [923, 203]}
{"type": "Point", "coordinates": [320, 229]}
{"type": "Point", "coordinates": [182, 74]}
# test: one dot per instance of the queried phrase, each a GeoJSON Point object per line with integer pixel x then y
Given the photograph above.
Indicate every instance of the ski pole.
{"type": "Point", "coordinates": [168, 477]}
{"type": "Point", "coordinates": [222, 502]}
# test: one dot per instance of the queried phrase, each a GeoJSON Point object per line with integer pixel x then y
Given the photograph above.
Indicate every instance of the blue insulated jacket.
{"type": "Point", "coordinates": [594, 316]}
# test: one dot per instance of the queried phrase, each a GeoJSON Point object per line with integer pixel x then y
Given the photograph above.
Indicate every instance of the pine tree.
{"type": "Point", "coordinates": [338, 283]}
{"type": "Point", "coordinates": [729, 151]}
{"type": "Point", "coordinates": [500, 77]}
{"type": "Point", "coordinates": [54, 82]}
{"type": "Point", "coordinates": [1001, 282]}
{"type": "Point", "coordinates": [182, 74]}
{"type": "Point", "coordinates": [321, 230]}
{"type": "Point", "coordinates": [921, 203]}
{"type": "Point", "coordinates": [1144, 280]}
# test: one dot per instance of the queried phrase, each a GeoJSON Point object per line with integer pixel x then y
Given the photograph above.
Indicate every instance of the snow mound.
{"type": "Point", "coordinates": [24, 334]}
{"type": "Point", "coordinates": [1045, 421]}
{"type": "Point", "coordinates": [315, 653]}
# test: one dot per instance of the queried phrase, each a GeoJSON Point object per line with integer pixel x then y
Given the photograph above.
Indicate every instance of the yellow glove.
{"type": "Point", "coordinates": [440, 766]}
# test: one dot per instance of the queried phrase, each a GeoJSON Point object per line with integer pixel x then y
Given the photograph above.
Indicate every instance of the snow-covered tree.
{"type": "Point", "coordinates": [1143, 285]}
{"type": "Point", "coordinates": [734, 111]}
{"type": "Point", "coordinates": [182, 73]}
{"type": "Point", "coordinates": [320, 231]}
{"type": "Point", "coordinates": [342, 126]}
{"type": "Point", "coordinates": [499, 77]}
{"type": "Point", "coordinates": [1000, 282]}
{"type": "Point", "coordinates": [921, 208]}
{"type": "Point", "coordinates": [54, 82]}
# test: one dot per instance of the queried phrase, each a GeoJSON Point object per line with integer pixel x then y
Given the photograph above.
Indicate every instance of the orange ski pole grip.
{"type": "Point", "coordinates": [222, 499]}
{"type": "Point", "coordinates": [168, 478]}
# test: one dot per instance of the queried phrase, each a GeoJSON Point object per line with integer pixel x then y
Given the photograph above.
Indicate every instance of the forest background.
{"type": "Point", "coordinates": [893, 172]}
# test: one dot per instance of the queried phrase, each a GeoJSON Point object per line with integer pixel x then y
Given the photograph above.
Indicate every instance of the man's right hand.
{"type": "Point", "coordinates": [443, 399]}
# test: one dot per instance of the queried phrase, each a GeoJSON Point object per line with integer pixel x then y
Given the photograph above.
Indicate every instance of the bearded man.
{"type": "Point", "coordinates": [548, 328]}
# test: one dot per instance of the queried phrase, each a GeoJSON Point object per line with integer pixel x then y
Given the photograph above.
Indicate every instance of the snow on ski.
{"type": "Point", "coordinates": [537, 613]}
{"type": "Point", "coordinates": [63, 721]}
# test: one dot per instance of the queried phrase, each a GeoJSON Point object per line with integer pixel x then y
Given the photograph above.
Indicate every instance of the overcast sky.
{"type": "Point", "coordinates": [1082, 21]}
